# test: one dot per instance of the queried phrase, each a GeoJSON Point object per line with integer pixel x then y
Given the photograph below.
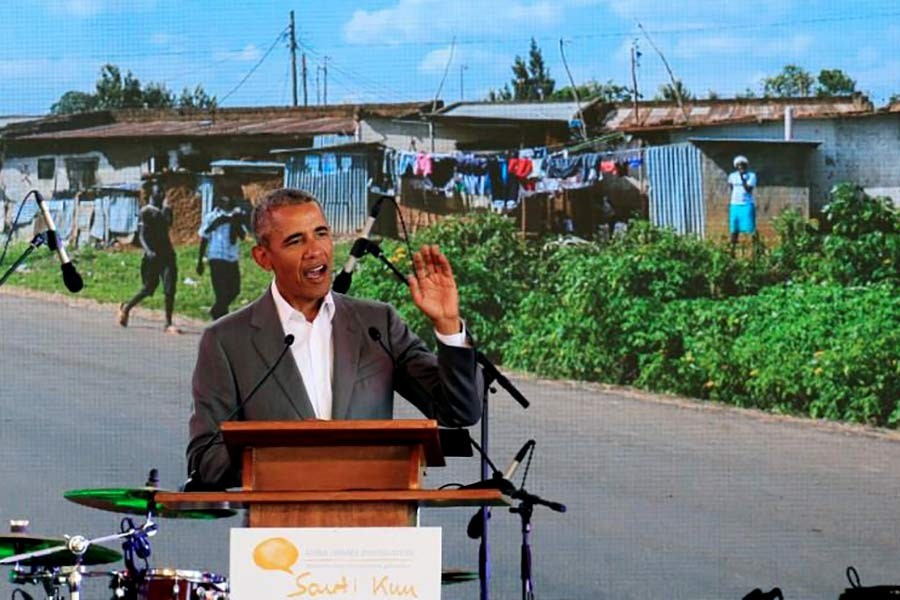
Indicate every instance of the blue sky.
{"type": "Point", "coordinates": [397, 50]}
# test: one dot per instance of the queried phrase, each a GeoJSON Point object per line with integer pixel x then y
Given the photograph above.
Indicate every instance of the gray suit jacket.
{"type": "Point", "coordinates": [236, 351]}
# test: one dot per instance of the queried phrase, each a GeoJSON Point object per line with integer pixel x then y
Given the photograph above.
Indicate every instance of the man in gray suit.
{"type": "Point", "coordinates": [335, 370]}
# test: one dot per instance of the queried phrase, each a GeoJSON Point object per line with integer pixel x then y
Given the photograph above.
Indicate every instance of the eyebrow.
{"type": "Point", "coordinates": [299, 235]}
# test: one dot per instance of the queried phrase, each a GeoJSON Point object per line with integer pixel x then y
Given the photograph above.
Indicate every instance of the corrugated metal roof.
{"type": "Point", "coordinates": [11, 119]}
{"type": "Point", "coordinates": [668, 115]}
{"type": "Point", "coordinates": [733, 140]}
{"type": "Point", "coordinates": [259, 126]}
{"type": "Point", "coordinates": [513, 111]}
{"type": "Point", "coordinates": [247, 164]}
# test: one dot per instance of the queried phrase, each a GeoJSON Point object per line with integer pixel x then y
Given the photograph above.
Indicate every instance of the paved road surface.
{"type": "Point", "coordinates": [666, 499]}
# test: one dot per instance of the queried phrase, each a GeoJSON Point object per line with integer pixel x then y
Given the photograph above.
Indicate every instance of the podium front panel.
{"type": "Point", "coordinates": [333, 468]}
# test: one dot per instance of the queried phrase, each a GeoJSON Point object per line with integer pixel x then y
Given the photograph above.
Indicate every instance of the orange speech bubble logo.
{"type": "Point", "coordinates": [276, 554]}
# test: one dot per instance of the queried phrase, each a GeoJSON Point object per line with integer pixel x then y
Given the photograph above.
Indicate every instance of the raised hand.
{"type": "Point", "coordinates": [433, 289]}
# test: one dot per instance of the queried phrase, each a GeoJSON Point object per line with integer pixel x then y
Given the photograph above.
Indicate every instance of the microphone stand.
{"type": "Point", "coordinates": [491, 375]}
{"type": "Point", "coordinates": [527, 502]}
{"type": "Point", "coordinates": [35, 243]}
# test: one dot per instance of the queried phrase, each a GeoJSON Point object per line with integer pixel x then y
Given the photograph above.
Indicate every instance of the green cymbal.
{"type": "Point", "coordinates": [139, 501]}
{"type": "Point", "coordinates": [450, 576]}
{"type": "Point", "coordinates": [12, 544]}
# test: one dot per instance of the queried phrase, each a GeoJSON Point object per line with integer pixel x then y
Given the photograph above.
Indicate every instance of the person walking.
{"type": "Point", "coordinates": [158, 263]}
{"type": "Point", "coordinates": [220, 233]}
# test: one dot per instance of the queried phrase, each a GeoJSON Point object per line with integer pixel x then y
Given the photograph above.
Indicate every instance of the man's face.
{"type": "Point", "coordinates": [299, 252]}
{"type": "Point", "coordinates": [742, 167]}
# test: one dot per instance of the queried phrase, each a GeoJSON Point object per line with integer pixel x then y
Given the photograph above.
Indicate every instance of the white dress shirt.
{"type": "Point", "coordinates": [313, 349]}
{"type": "Point", "coordinates": [313, 342]}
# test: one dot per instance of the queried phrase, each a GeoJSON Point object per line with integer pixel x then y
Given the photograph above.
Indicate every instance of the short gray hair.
{"type": "Point", "coordinates": [262, 212]}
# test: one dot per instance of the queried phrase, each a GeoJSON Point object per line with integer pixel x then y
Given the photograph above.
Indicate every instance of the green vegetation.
{"type": "Point", "coordinates": [113, 91]}
{"type": "Point", "coordinates": [810, 326]}
{"type": "Point", "coordinates": [114, 276]}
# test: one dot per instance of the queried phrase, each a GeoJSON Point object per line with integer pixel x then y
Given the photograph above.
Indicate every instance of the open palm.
{"type": "Point", "coordinates": [433, 289]}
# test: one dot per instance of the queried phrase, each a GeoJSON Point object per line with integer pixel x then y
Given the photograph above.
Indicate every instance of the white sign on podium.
{"type": "Point", "coordinates": [356, 563]}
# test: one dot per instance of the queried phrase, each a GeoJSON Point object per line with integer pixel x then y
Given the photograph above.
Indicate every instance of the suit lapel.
{"type": "Point", "coordinates": [346, 332]}
{"type": "Point", "coordinates": [268, 341]}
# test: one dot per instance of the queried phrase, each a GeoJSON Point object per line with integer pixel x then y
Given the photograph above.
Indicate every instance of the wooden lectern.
{"type": "Point", "coordinates": [333, 474]}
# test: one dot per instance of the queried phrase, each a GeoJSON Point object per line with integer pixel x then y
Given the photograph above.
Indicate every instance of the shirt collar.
{"type": "Point", "coordinates": [286, 312]}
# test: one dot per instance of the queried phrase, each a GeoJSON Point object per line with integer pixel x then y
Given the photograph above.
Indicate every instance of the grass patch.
{"type": "Point", "coordinates": [114, 276]}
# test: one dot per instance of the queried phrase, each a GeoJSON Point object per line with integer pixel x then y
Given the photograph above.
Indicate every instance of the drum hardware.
{"type": "Point", "coordinates": [47, 553]}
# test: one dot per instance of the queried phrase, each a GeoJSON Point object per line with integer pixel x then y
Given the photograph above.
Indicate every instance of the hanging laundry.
{"type": "Point", "coordinates": [608, 166]}
{"type": "Point", "coordinates": [423, 164]}
{"type": "Point", "coordinates": [441, 170]}
{"type": "Point", "coordinates": [559, 167]}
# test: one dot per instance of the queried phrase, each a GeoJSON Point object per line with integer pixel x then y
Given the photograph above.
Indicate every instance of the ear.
{"type": "Point", "coordinates": [261, 256]}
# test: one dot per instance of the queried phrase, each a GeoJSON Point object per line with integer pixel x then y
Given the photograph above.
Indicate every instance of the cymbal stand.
{"type": "Point", "coordinates": [78, 545]}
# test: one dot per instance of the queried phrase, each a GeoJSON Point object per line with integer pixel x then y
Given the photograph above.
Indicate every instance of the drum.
{"type": "Point", "coordinates": [170, 584]}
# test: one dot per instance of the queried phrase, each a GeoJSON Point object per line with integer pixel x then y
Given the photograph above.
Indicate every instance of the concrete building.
{"type": "Point", "coordinates": [799, 147]}
{"type": "Point", "coordinates": [465, 126]}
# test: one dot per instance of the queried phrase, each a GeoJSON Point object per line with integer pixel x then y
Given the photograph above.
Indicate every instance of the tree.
{"type": "Point", "coordinates": [834, 82]}
{"type": "Point", "coordinates": [608, 92]}
{"type": "Point", "coordinates": [113, 91]}
{"type": "Point", "coordinates": [74, 102]}
{"type": "Point", "coordinates": [792, 82]}
{"type": "Point", "coordinates": [672, 93]}
{"type": "Point", "coordinates": [796, 82]}
{"type": "Point", "coordinates": [531, 80]}
{"type": "Point", "coordinates": [157, 95]}
{"type": "Point", "coordinates": [198, 99]}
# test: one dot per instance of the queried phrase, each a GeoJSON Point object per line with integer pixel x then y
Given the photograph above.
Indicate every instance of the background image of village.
{"type": "Point", "coordinates": [716, 420]}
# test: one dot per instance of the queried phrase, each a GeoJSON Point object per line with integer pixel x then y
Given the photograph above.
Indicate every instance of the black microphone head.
{"type": "Point", "coordinates": [374, 334]}
{"type": "Point", "coordinates": [152, 478]}
{"type": "Point", "coordinates": [342, 282]}
{"type": "Point", "coordinates": [475, 529]}
{"type": "Point", "coordinates": [289, 339]}
{"type": "Point", "coordinates": [71, 278]}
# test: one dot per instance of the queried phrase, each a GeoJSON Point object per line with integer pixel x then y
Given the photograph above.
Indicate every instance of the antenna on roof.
{"type": "Point", "coordinates": [437, 94]}
{"type": "Point", "coordinates": [676, 88]}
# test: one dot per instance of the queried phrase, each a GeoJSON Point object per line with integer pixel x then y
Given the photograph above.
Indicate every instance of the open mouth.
{"type": "Point", "coordinates": [316, 274]}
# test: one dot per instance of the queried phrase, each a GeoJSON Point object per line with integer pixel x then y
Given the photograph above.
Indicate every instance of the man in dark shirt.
{"type": "Point", "coordinates": [158, 263]}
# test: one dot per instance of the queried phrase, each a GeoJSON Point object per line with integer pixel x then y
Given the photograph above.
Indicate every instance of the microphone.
{"type": "Point", "coordinates": [376, 337]}
{"type": "Point", "coordinates": [517, 460]}
{"type": "Point", "coordinates": [342, 281]}
{"type": "Point", "coordinates": [193, 482]}
{"type": "Point", "coordinates": [71, 278]}
{"type": "Point", "coordinates": [501, 481]}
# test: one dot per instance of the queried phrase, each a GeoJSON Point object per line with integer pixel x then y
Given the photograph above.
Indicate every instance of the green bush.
{"type": "Point", "coordinates": [491, 264]}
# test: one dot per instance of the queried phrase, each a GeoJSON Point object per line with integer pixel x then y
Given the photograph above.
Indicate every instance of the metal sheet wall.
{"type": "Point", "coordinates": [339, 184]}
{"type": "Point", "coordinates": [676, 188]}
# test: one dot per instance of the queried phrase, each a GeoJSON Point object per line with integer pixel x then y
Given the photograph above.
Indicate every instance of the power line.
{"type": "Point", "coordinates": [278, 38]}
{"type": "Point", "coordinates": [497, 40]}
{"type": "Point", "coordinates": [381, 89]}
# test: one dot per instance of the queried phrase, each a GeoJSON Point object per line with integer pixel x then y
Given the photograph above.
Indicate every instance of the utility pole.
{"type": "Point", "coordinates": [635, 55]}
{"type": "Point", "coordinates": [462, 88]}
{"type": "Point", "coordinates": [318, 87]}
{"type": "Point", "coordinates": [325, 83]}
{"type": "Point", "coordinates": [294, 57]}
{"type": "Point", "coordinates": [305, 100]}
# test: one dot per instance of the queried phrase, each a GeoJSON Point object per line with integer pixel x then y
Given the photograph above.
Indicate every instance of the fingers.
{"type": "Point", "coordinates": [429, 260]}
{"type": "Point", "coordinates": [414, 290]}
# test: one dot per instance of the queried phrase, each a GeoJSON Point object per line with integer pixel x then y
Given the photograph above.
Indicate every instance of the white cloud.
{"type": "Point", "coordinates": [793, 47]}
{"type": "Point", "coordinates": [435, 61]}
{"type": "Point", "coordinates": [248, 53]}
{"type": "Point", "coordinates": [90, 8]}
{"type": "Point", "coordinates": [161, 39]}
{"type": "Point", "coordinates": [675, 14]}
{"type": "Point", "coordinates": [427, 20]}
